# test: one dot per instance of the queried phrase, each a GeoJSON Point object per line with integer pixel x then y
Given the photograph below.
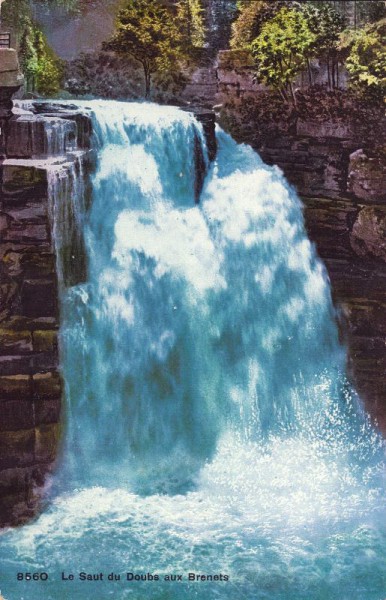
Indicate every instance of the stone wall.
{"type": "Point", "coordinates": [341, 178]}
{"type": "Point", "coordinates": [30, 382]}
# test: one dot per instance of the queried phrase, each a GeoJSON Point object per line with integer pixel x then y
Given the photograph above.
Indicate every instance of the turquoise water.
{"type": "Point", "coordinates": [210, 429]}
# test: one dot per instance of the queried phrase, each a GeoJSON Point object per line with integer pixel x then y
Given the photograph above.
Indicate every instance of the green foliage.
{"type": "Point", "coordinates": [50, 71]}
{"type": "Point", "coordinates": [147, 31]}
{"type": "Point", "coordinates": [16, 14]}
{"type": "Point", "coordinates": [326, 24]}
{"type": "Point", "coordinates": [281, 48]}
{"type": "Point", "coordinates": [190, 16]}
{"type": "Point", "coordinates": [28, 57]}
{"type": "Point", "coordinates": [244, 28]}
{"type": "Point", "coordinates": [42, 70]}
{"type": "Point", "coordinates": [251, 18]}
{"type": "Point", "coordinates": [103, 75]}
{"type": "Point", "coordinates": [107, 75]}
{"type": "Point", "coordinates": [366, 62]}
{"type": "Point", "coordinates": [362, 11]}
{"type": "Point", "coordinates": [372, 11]}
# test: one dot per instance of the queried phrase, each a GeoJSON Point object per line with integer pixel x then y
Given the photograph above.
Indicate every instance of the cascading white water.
{"type": "Point", "coordinates": [67, 206]}
{"type": "Point", "coordinates": [209, 425]}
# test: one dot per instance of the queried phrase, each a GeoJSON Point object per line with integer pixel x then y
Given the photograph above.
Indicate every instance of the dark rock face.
{"type": "Point", "coordinates": [29, 427]}
{"type": "Point", "coordinates": [30, 384]}
{"type": "Point", "coordinates": [342, 182]}
{"type": "Point", "coordinates": [208, 120]}
{"type": "Point", "coordinates": [345, 234]}
{"type": "Point", "coordinates": [201, 88]}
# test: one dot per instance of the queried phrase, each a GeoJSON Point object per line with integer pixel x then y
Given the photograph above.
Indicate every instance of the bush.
{"type": "Point", "coordinates": [103, 75]}
{"type": "Point", "coordinates": [366, 62]}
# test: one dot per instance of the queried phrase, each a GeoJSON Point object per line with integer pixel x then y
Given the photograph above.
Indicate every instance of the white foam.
{"type": "Point", "coordinates": [178, 240]}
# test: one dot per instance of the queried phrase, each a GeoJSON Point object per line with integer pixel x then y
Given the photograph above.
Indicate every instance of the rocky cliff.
{"type": "Point", "coordinates": [40, 153]}
{"type": "Point", "coordinates": [340, 174]}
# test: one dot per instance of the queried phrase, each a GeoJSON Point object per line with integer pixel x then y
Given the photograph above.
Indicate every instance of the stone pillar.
{"type": "Point", "coordinates": [30, 383]}
{"type": "Point", "coordinates": [10, 82]}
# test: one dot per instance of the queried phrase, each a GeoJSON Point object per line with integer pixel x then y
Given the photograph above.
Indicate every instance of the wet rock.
{"type": "Point", "coordinates": [34, 136]}
{"type": "Point", "coordinates": [19, 232]}
{"type": "Point", "coordinates": [28, 364]}
{"type": "Point", "coordinates": [27, 261]}
{"type": "Point", "coordinates": [199, 167]}
{"type": "Point", "coordinates": [68, 112]}
{"type": "Point", "coordinates": [208, 120]}
{"type": "Point", "coordinates": [48, 108]}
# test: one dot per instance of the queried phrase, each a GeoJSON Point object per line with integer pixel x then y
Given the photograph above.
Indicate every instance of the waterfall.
{"type": "Point", "coordinates": [209, 426]}
{"type": "Point", "coordinates": [67, 207]}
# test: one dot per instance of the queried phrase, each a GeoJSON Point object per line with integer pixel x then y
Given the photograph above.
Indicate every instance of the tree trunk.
{"type": "Point", "coordinates": [309, 71]}
{"type": "Point", "coordinates": [147, 80]}
{"type": "Point", "coordinates": [328, 72]}
{"type": "Point", "coordinates": [189, 25]}
{"type": "Point", "coordinates": [337, 74]}
{"type": "Point", "coordinates": [292, 93]}
{"type": "Point", "coordinates": [283, 94]}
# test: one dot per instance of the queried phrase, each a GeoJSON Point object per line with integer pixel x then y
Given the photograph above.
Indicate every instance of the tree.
{"type": "Point", "coordinates": [327, 25]}
{"type": "Point", "coordinates": [244, 27]}
{"type": "Point", "coordinates": [42, 70]}
{"type": "Point", "coordinates": [366, 61]}
{"type": "Point", "coordinates": [280, 50]}
{"type": "Point", "coordinates": [15, 15]}
{"type": "Point", "coordinates": [147, 31]}
{"type": "Point", "coordinates": [251, 18]}
{"type": "Point", "coordinates": [49, 72]}
{"type": "Point", "coordinates": [190, 16]}
{"type": "Point", "coordinates": [28, 57]}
